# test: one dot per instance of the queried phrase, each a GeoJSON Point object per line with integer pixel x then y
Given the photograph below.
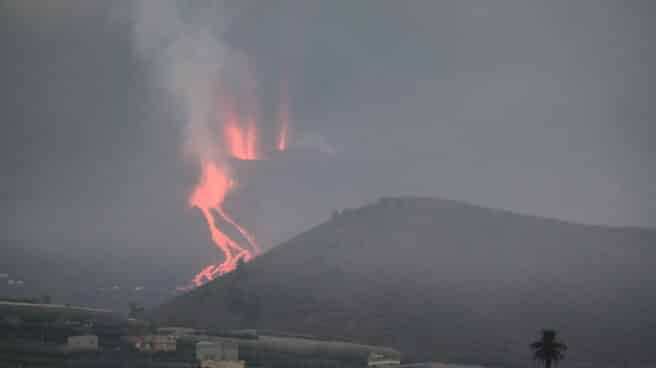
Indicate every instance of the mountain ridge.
{"type": "Point", "coordinates": [417, 269]}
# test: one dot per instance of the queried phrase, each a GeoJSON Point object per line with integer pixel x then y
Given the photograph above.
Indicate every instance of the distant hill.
{"type": "Point", "coordinates": [447, 281]}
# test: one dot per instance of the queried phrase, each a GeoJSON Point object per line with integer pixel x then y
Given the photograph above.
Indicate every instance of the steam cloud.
{"type": "Point", "coordinates": [189, 58]}
{"type": "Point", "coordinates": [191, 61]}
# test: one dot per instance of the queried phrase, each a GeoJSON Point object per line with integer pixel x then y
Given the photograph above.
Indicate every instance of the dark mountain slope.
{"type": "Point", "coordinates": [442, 280]}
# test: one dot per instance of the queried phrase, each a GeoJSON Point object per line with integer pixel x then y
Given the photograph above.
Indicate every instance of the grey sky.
{"type": "Point", "coordinates": [539, 107]}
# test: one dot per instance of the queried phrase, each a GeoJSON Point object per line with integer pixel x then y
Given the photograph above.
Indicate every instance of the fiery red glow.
{"type": "Point", "coordinates": [208, 197]}
{"type": "Point", "coordinates": [241, 141]}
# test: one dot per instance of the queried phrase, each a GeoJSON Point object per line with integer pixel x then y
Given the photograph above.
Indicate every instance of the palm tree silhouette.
{"type": "Point", "coordinates": [547, 349]}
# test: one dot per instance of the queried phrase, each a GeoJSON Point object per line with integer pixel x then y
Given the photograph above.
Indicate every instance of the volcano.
{"type": "Point", "coordinates": [448, 281]}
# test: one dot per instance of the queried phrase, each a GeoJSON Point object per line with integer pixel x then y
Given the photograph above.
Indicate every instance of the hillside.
{"type": "Point", "coordinates": [446, 281]}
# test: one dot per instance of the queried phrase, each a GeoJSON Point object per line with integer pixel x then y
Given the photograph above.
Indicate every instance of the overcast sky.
{"type": "Point", "coordinates": [540, 107]}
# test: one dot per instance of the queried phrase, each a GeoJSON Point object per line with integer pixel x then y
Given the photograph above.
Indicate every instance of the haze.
{"type": "Point", "coordinates": [539, 107]}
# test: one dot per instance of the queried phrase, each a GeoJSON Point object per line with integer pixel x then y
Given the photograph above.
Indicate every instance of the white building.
{"type": "Point", "coordinates": [153, 343]}
{"type": "Point", "coordinates": [218, 354]}
{"type": "Point", "coordinates": [217, 350]}
{"type": "Point", "coordinates": [82, 343]}
{"type": "Point", "coordinates": [381, 360]}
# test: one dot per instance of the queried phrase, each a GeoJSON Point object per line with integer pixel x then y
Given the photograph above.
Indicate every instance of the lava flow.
{"type": "Point", "coordinates": [241, 139]}
{"type": "Point", "coordinates": [208, 197]}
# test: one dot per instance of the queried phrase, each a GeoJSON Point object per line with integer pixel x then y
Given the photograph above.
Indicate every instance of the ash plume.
{"type": "Point", "coordinates": [188, 59]}
{"type": "Point", "coordinates": [192, 62]}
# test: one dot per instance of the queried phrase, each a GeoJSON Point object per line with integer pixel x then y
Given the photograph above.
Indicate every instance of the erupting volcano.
{"type": "Point", "coordinates": [216, 90]}
{"type": "Point", "coordinates": [208, 197]}
{"type": "Point", "coordinates": [240, 138]}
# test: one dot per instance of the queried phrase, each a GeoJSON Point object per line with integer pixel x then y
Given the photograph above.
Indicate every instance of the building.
{"type": "Point", "coordinates": [379, 360]}
{"type": "Point", "coordinates": [82, 343]}
{"type": "Point", "coordinates": [287, 351]}
{"type": "Point", "coordinates": [217, 350]}
{"type": "Point", "coordinates": [156, 343]}
{"type": "Point", "coordinates": [218, 354]}
{"type": "Point", "coordinates": [222, 364]}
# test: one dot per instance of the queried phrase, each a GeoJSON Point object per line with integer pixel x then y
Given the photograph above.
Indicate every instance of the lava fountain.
{"type": "Point", "coordinates": [190, 58]}
{"type": "Point", "coordinates": [240, 137]}
{"type": "Point", "coordinates": [208, 197]}
{"type": "Point", "coordinates": [283, 117]}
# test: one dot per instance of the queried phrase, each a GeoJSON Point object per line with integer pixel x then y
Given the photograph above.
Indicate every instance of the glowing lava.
{"type": "Point", "coordinates": [240, 135]}
{"type": "Point", "coordinates": [208, 196]}
{"type": "Point", "coordinates": [241, 143]}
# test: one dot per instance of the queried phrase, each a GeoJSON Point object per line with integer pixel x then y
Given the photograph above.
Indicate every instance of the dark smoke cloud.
{"type": "Point", "coordinates": [538, 107]}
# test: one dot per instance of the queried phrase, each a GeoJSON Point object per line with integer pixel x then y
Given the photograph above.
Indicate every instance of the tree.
{"type": "Point", "coordinates": [547, 349]}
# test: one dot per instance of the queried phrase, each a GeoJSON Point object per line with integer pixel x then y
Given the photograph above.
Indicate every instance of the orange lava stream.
{"type": "Point", "coordinates": [241, 141]}
{"type": "Point", "coordinates": [208, 197]}
{"type": "Point", "coordinates": [243, 232]}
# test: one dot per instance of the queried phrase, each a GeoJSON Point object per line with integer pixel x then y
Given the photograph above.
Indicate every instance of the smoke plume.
{"type": "Point", "coordinates": [188, 59]}
{"type": "Point", "coordinates": [211, 85]}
